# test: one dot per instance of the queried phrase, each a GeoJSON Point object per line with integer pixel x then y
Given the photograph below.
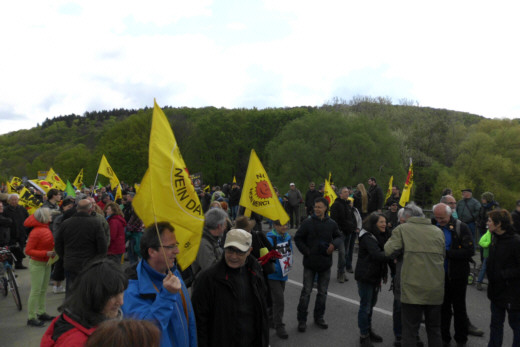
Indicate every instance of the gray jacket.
{"type": "Point", "coordinates": [209, 253]}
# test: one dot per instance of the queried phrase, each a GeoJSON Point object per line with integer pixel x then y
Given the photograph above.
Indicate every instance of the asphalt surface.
{"type": "Point", "coordinates": [341, 314]}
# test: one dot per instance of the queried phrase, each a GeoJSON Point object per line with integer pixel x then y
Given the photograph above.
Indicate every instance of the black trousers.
{"type": "Point", "coordinates": [411, 316]}
{"type": "Point", "coordinates": [454, 305]}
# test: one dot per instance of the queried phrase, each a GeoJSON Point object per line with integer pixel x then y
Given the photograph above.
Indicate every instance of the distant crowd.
{"type": "Point", "coordinates": [122, 286]}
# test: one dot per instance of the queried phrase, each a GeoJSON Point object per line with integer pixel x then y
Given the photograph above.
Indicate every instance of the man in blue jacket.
{"type": "Point", "coordinates": [156, 291]}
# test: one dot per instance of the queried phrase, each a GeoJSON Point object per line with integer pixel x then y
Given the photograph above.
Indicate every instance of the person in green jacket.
{"type": "Point", "coordinates": [484, 242]}
{"type": "Point", "coordinates": [422, 274]}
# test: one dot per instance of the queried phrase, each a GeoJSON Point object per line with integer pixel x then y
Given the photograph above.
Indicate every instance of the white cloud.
{"type": "Point", "coordinates": [65, 57]}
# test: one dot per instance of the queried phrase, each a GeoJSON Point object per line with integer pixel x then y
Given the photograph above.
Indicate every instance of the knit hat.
{"type": "Point", "coordinates": [488, 196]}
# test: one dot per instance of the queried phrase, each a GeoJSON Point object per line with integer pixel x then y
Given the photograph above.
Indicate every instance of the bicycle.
{"type": "Point", "coordinates": [8, 278]}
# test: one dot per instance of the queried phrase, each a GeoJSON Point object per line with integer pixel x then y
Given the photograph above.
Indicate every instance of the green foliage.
{"type": "Point", "coordinates": [352, 139]}
{"type": "Point", "coordinates": [351, 147]}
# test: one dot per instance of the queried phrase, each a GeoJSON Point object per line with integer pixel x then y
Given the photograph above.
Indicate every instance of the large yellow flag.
{"type": "Point", "coordinates": [29, 201]}
{"type": "Point", "coordinates": [405, 196]}
{"type": "Point", "coordinates": [258, 194]}
{"type": "Point", "coordinates": [55, 180]}
{"type": "Point", "coordinates": [167, 193]}
{"type": "Point", "coordinates": [78, 182]}
{"type": "Point", "coordinates": [389, 191]}
{"type": "Point", "coordinates": [329, 193]}
{"type": "Point", "coordinates": [106, 170]}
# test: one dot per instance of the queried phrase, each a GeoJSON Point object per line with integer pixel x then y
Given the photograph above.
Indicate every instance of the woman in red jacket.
{"type": "Point", "coordinates": [40, 247]}
{"type": "Point", "coordinates": [117, 224]}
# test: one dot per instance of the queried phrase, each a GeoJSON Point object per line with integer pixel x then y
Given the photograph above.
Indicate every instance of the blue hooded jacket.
{"type": "Point", "coordinates": [143, 301]}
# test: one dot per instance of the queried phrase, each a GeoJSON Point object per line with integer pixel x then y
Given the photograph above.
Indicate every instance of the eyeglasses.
{"type": "Point", "coordinates": [231, 250]}
{"type": "Point", "coordinates": [175, 246]}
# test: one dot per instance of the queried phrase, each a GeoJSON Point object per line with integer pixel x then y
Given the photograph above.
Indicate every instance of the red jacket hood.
{"type": "Point", "coordinates": [31, 222]}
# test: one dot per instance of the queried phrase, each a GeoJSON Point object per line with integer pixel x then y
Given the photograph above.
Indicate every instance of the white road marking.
{"type": "Point", "coordinates": [339, 297]}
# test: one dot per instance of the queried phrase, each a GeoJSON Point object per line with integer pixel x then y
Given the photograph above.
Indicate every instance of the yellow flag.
{"type": "Point", "coordinates": [329, 193]}
{"type": "Point", "coordinates": [10, 188]}
{"type": "Point", "coordinates": [15, 182]}
{"type": "Point", "coordinates": [29, 201]}
{"type": "Point", "coordinates": [55, 180]}
{"type": "Point", "coordinates": [258, 194]}
{"type": "Point", "coordinates": [234, 179]}
{"type": "Point", "coordinates": [106, 170]}
{"type": "Point", "coordinates": [389, 191]}
{"type": "Point", "coordinates": [41, 185]}
{"type": "Point", "coordinates": [167, 193]}
{"type": "Point", "coordinates": [405, 196]}
{"type": "Point", "coordinates": [78, 182]}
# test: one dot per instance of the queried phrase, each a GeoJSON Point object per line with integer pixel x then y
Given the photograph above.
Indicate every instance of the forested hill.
{"type": "Point", "coordinates": [352, 140]}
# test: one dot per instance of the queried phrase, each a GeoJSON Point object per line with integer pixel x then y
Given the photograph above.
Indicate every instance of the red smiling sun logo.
{"type": "Point", "coordinates": [262, 190]}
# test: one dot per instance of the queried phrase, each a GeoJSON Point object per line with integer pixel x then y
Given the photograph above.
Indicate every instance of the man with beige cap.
{"type": "Point", "coordinates": [229, 298]}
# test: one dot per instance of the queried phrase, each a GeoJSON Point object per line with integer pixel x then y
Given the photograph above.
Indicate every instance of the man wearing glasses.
{"type": "Point", "coordinates": [229, 298]}
{"type": "Point", "coordinates": [156, 291]}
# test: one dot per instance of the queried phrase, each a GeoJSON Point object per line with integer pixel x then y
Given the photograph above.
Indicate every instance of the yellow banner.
{"type": "Point", "coordinates": [167, 193]}
{"type": "Point", "coordinates": [29, 201]}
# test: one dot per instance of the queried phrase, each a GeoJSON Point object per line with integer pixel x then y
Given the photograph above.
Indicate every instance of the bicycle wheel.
{"type": "Point", "coordinates": [13, 287]}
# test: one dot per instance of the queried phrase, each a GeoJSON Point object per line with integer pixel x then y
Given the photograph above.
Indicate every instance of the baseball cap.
{"type": "Point", "coordinates": [238, 238]}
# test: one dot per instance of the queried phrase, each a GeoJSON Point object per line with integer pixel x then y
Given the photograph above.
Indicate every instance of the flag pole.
{"type": "Point", "coordinates": [91, 192]}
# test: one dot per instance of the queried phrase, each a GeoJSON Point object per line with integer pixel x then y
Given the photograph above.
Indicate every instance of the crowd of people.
{"type": "Point", "coordinates": [233, 293]}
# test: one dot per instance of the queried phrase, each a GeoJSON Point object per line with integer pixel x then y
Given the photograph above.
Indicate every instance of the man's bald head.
{"type": "Point", "coordinates": [84, 205]}
{"type": "Point", "coordinates": [442, 213]}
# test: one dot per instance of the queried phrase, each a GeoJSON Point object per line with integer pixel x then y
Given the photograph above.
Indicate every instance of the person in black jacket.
{"type": "Point", "coordinates": [503, 272]}
{"type": "Point", "coordinates": [310, 196]}
{"type": "Point", "coordinates": [375, 196]}
{"type": "Point", "coordinates": [234, 200]}
{"type": "Point", "coordinates": [515, 215]}
{"type": "Point", "coordinates": [342, 214]}
{"type": "Point", "coordinates": [316, 239]}
{"type": "Point", "coordinates": [18, 233]}
{"type": "Point", "coordinates": [229, 298]}
{"type": "Point", "coordinates": [459, 250]}
{"type": "Point", "coordinates": [371, 270]}
{"type": "Point", "coordinates": [78, 240]}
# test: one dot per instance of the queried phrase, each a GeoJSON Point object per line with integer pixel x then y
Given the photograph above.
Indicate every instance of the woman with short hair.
{"type": "Point", "coordinates": [40, 247]}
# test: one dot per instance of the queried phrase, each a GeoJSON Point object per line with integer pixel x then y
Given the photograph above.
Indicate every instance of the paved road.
{"type": "Point", "coordinates": [341, 314]}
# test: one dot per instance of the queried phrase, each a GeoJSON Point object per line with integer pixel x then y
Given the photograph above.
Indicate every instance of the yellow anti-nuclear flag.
{"type": "Point", "coordinates": [106, 170]}
{"type": "Point", "coordinates": [55, 180]}
{"type": "Point", "coordinates": [258, 194]}
{"type": "Point", "coordinates": [29, 201]}
{"type": "Point", "coordinates": [167, 193]}
{"type": "Point", "coordinates": [78, 182]}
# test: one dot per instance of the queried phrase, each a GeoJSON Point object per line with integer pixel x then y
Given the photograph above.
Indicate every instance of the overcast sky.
{"type": "Point", "coordinates": [64, 57]}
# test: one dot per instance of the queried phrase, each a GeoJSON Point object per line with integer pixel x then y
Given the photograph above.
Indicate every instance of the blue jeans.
{"type": "Point", "coordinates": [367, 301]}
{"type": "Point", "coordinates": [234, 212]}
{"type": "Point", "coordinates": [482, 272]}
{"type": "Point", "coordinates": [342, 258]}
{"type": "Point", "coordinates": [350, 250]}
{"type": "Point", "coordinates": [321, 298]}
{"type": "Point", "coordinates": [498, 316]}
